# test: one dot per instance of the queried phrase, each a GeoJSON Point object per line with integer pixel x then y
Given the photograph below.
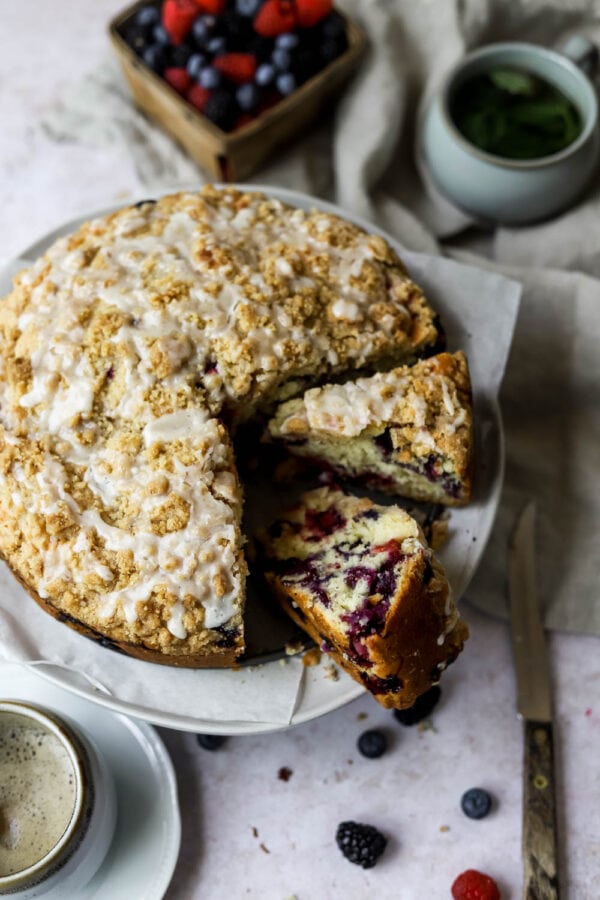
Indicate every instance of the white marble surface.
{"type": "Point", "coordinates": [248, 833]}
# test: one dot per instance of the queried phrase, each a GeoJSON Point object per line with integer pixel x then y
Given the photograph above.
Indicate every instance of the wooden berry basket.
{"type": "Point", "coordinates": [235, 155]}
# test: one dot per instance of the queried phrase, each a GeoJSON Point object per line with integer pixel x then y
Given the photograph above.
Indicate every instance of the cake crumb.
{"type": "Point", "coordinates": [264, 848]}
{"type": "Point", "coordinates": [254, 831]}
{"type": "Point", "coordinates": [444, 828]}
{"type": "Point", "coordinates": [285, 773]}
{"type": "Point", "coordinates": [293, 647]}
{"type": "Point", "coordinates": [312, 657]}
{"type": "Point", "coordinates": [362, 715]}
{"type": "Point", "coordinates": [331, 672]}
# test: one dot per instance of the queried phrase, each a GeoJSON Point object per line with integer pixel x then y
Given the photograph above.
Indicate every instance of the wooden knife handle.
{"type": "Point", "coordinates": [539, 814]}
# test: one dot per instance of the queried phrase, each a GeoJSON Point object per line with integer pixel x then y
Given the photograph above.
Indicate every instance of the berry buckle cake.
{"type": "Point", "coordinates": [407, 432]}
{"type": "Point", "coordinates": [129, 352]}
{"type": "Point", "coordinates": [361, 580]}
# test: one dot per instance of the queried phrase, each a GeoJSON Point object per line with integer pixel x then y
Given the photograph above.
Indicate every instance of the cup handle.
{"type": "Point", "coordinates": [583, 52]}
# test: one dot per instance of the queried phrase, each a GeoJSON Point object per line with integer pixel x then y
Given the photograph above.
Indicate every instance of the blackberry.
{"type": "Point", "coordinates": [421, 708]}
{"type": "Point", "coordinates": [476, 803]}
{"type": "Point", "coordinates": [372, 744]}
{"type": "Point", "coordinates": [222, 109]}
{"type": "Point", "coordinates": [211, 741]}
{"type": "Point", "coordinates": [180, 55]}
{"type": "Point", "coordinates": [360, 844]}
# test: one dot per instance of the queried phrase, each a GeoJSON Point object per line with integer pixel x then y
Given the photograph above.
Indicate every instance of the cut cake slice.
{"type": "Point", "coordinates": [407, 432]}
{"type": "Point", "coordinates": [361, 580]}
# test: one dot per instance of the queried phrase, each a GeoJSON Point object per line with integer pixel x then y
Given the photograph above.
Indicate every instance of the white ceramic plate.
{"type": "Point", "coordinates": [141, 859]}
{"type": "Point", "coordinates": [470, 527]}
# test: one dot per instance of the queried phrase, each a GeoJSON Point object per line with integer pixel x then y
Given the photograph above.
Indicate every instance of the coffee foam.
{"type": "Point", "coordinates": [37, 792]}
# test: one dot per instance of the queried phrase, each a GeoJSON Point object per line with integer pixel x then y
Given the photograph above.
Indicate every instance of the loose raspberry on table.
{"type": "Point", "coordinates": [474, 885]}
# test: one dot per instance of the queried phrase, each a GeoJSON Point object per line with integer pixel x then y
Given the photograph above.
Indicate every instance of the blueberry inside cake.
{"type": "Point", "coordinates": [408, 431]}
{"type": "Point", "coordinates": [129, 353]}
{"type": "Point", "coordinates": [361, 580]}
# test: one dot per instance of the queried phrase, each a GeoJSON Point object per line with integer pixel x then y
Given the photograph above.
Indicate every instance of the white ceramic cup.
{"type": "Point", "coordinates": [513, 191]}
{"type": "Point", "coordinates": [51, 774]}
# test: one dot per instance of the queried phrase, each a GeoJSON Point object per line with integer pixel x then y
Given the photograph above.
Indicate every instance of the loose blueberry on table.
{"type": "Point", "coordinates": [234, 59]}
{"type": "Point", "coordinates": [476, 803]}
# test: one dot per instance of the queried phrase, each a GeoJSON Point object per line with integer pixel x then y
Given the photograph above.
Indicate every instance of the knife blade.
{"type": "Point", "coordinates": [534, 705]}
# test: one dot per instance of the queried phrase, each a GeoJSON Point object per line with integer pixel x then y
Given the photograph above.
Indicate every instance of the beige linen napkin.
{"type": "Point", "coordinates": [364, 159]}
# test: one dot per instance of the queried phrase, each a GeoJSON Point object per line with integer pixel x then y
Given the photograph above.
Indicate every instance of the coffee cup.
{"type": "Point", "coordinates": [57, 803]}
{"type": "Point", "coordinates": [512, 191]}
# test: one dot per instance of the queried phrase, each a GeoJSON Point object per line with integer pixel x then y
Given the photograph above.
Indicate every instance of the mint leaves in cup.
{"type": "Point", "coordinates": [515, 114]}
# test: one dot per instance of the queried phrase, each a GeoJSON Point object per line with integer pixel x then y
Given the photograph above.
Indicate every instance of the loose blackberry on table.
{"type": "Point", "coordinates": [360, 844]}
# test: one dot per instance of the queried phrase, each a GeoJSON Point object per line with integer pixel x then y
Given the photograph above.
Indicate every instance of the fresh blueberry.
{"type": "Point", "coordinates": [281, 59]}
{"type": "Point", "coordinates": [421, 708]}
{"type": "Point", "coordinates": [217, 45]}
{"type": "Point", "coordinates": [202, 29]}
{"type": "Point", "coordinates": [247, 96]}
{"type": "Point", "coordinates": [222, 109]}
{"type": "Point", "coordinates": [247, 8]}
{"type": "Point", "coordinates": [209, 78]}
{"type": "Point", "coordinates": [211, 741]}
{"type": "Point", "coordinates": [476, 803]}
{"type": "Point", "coordinates": [360, 844]}
{"type": "Point", "coordinates": [155, 57]}
{"type": "Point", "coordinates": [147, 16]}
{"type": "Point", "coordinates": [372, 743]}
{"type": "Point", "coordinates": [160, 35]}
{"type": "Point", "coordinates": [195, 64]}
{"type": "Point", "coordinates": [265, 74]}
{"type": "Point", "coordinates": [333, 26]}
{"type": "Point", "coordinates": [287, 41]}
{"type": "Point", "coordinates": [286, 83]}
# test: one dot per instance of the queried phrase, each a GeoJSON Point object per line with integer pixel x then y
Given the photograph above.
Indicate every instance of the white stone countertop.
{"type": "Point", "coordinates": [247, 832]}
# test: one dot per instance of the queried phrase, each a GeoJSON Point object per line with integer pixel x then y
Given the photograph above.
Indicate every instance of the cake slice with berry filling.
{"type": "Point", "coordinates": [361, 580]}
{"type": "Point", "coordinates": [407, 432]}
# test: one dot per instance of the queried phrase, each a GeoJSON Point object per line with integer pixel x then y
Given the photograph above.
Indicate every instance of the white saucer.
{"type": "Point", "coordinates": [142, 856]}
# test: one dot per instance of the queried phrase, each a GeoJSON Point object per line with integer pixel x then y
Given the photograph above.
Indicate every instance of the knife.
{"type": "Point", "coordinates": [534, 706]}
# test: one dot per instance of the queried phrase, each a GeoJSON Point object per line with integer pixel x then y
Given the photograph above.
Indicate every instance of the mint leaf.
{"type": "Point", "coordinates": [514, 82]}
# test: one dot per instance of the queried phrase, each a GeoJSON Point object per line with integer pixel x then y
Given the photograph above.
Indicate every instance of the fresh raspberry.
{"type": "Point", "coordinates": [197, 96]}
{"type": "Point", "coordinates": [474, 885]}
{"type": "Point", "coordinates": [238, 67]}
{"type": "Point", "coordinates": [212, 7]}
{"type": "Point", "coordinates": [311, 12]}
{"type": "Point", "coordinates": [276, 17]}
{"type": "Point", "coordinates": [177, 18]}
{"type": "Point", "coordinates": [178, 78]}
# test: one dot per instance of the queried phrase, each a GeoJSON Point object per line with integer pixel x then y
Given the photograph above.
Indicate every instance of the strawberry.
{"type": "Point", "coordinates": [237, 67]}
{"type": "Point", "coordinates": [474, 885]}
{"type": "Point", "coordinates": [177, 18]}
{"type": "Point", "coordinates": [213, 7]}
{"type": "Point", "coordinates": [197, 96]}
{"type": "Point", "coordinates": [311, 12]}
{"type": "Point", "coordinates": [275, 17]}
{"type": "Point", "coordinates": [178, 78]}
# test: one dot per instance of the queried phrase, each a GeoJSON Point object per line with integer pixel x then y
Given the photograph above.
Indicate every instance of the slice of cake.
{"type": "Point", "coordinates": [361, 580]}
{"type": "Point", "coordinates": [407, 432]}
